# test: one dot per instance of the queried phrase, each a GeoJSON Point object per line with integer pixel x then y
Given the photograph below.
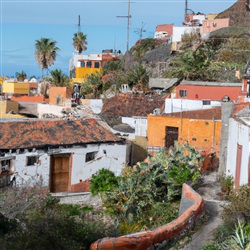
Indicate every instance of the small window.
{"type": "Point", "coordinates": [206, 102]}
{"type": "Point", "coordinates": [193, 139]}
{"type": "Point", "coordinates": [97, 65]}
{"type": "Point", "coordinates": [90, 156]}
{"type": "Point", "coordinates": [82, 64]}
{"type": "Point", "coordinates": [214, 24]}
{"type": "Point", "coordinates": [31, 160]}
{"type": "Point", "coordinates": [88, 65]}
{"type": "Point", "coordinates": [183, 93]}
{"type": "Point", "coordinates": [5, 165]}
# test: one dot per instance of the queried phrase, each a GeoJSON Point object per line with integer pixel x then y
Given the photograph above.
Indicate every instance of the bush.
{"type": "Point", "coordinates": [239, 206]}
{"type": "Point", "coordinates": [102, 181]}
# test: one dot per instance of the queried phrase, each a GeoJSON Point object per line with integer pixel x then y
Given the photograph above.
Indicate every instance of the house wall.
{"type": "Point", "coordinates": [176, 105]}
{"type": "Point", "coordinates": [49, 109]}
{"type": "Point", "coordinates": [7, 106]}
{"type": "Point", "coordinates": [215, 93]}
{"type": "Point", "coordinates": [15, 88]}
{"type": "Point", "coordinates": [83, 72]}
{"type": "Point", "coordinates": [238, 134]}
{"type": "Point", "coordinates": [215, 24]}
{"type": "Point", "coordinates": [110, 156]}
{"type": "Point", "coordinates": [59, 95]}
{"type": "Point", "coordinates": [206, 132]}
{"type": "Point", "coordinates": [178, 32]}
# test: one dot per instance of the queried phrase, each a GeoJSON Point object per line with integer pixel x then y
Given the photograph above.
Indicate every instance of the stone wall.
{"type": "Point", "coordinates": [191, 210]}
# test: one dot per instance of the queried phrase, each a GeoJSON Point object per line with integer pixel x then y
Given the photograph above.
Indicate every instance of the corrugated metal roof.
{"type": "Point", "coordinates": [219, 84]}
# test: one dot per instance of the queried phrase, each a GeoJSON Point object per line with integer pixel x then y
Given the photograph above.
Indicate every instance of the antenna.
{"type": "Point", "coordinates": [139, 31]}
{"type": "Point", "coordinates": [128, 25]}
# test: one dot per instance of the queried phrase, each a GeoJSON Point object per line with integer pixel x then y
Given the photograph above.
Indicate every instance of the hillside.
{"type": "Point", "coordinates": [239, 14]}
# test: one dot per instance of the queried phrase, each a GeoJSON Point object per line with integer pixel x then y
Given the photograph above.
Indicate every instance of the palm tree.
{"type": "Point", "coordinates": [45, 52]}
{"type": "Point", "coordinates": [58, 78]}
{"type": "Point", "coordinates": [79, 41]}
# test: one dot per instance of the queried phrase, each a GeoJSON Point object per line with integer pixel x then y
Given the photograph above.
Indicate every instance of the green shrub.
{"type": "Point", "coordinates": [102, 181]}
{"type": "Point", "coordinates": [239, 205]}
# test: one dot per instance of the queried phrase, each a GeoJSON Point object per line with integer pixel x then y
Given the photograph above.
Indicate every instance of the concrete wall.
{"type": "Point", "coordinates": [202, 134]}
{"type": "Point", "coordinates": [226, 112]}
{"type": "Point", "coordinates": [178, 105]}
{"type": "Point", "coordinates": [238, 134]}
{"type": "Point", "coordinates": [49, 109]}
{"type": "Point", "coordinates": [157, 238]}
{"type": "Point", "coordinates": [94, 104]}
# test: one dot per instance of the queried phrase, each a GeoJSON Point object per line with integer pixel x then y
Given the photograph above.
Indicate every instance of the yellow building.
{"type": "Point", "coordinates": [16, 88]}
{"type": "Point", "coordinates": [82, 65]}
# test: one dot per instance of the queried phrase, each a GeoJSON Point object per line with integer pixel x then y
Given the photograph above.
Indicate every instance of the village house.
{"type": "Point", "coordinates": [200, 128]}
{"type": "Point", "coordinates": [63, 153]}
{"type": "Point", "coordinates": [237, 146]}
{"type": "Point", "coordinates": [210, 91]}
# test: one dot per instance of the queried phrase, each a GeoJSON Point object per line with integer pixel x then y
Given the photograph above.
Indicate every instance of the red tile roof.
{"type": "Point", "coordinates": [29, 134]}
{"type": "Point", "coordinates": [203, 114]}
{"type": "Point", "coordinates": [238, 107]}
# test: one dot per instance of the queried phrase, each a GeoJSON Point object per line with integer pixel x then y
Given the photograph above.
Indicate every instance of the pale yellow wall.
{"type": "Point", "coordinates": [16, 88]}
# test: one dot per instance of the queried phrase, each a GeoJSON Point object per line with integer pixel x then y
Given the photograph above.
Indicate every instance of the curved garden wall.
{"type": "Point", "coordinates": [191, 209]}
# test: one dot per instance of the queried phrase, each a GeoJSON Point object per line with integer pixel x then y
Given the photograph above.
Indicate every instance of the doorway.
{"type": "Point", "coordinates": [171, 136]}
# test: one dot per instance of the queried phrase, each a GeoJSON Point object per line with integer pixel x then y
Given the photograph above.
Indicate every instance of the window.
{"type": "Point", "coordinates": [206, 102]}
{"type": "Point", "coordinates": [214, 24]}
{"type": "Point", "coordinates": [82, 64]}
{"type": "Point", "coordinates": [183, 93]}
{"type": "Point", "coordinates": [97, 65]}
{"type": "Point", "coordinates": [88, 65]}
{"type": "Point", "coordinates": [31, 160]}
{"type": "Point", "coordinates": [5, 165]}
{"type": "Point", "coordinates": [90, 156]}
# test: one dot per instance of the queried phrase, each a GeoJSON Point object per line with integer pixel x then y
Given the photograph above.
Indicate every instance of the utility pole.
{"type": "Point", "coordinates": [128, 24]}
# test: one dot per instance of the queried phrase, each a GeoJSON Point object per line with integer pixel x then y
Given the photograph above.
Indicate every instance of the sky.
{"type": "Point", "coordinates": [104, 22]}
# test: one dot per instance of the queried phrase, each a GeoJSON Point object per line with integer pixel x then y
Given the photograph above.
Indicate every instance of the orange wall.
{"type": "Point", "coordinates": [215, 24]}
{"type": "Point", "coordinates": [188, 129]}
{"type": "Point", "coordinates": [58, 95]}
{"type": "Point", "coordinates": [196, 92]}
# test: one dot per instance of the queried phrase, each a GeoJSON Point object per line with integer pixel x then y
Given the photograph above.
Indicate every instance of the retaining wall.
{"type": "Point", "coordinates": [152, 239]}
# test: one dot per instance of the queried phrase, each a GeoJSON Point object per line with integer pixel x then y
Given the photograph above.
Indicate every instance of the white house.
{"type": "Point", "coordinates": [238, 148]}
{"type": "Point", "coordinates": [63, 153]}
{"type": "Point", "coordinates": [173, 105]}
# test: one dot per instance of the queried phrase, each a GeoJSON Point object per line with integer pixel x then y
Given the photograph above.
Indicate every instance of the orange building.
{"type": "Point", "coordinates": [215, 24]}
{"type": "Point", "coordinates": [59, 95]}
{"type": "Point", "coordinates": [200, 128]}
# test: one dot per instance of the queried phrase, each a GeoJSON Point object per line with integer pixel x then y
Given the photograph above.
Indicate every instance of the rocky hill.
{"type": "Point", "coordinates": [239, 14]}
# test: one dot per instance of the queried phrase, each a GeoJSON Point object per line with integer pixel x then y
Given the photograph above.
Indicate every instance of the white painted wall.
{"type": "Point", "coordinates": [114, 159]}
{"type": "Point", "coordinates": [177, 105]}
{"type": "Point", "coordinates": [238, 134]}
{"type": "Point", "coordinates": [141, 126]}
{"type": "Point", "coordinates": [178, 32]}
{"type": "Point", "coordinates": [130, 121]}
{"type": "Point", "coordinates": [49, 109]}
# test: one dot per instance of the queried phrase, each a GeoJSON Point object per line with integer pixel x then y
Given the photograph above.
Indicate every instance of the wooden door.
{"type": "Point", "coordinates": [59, 173]}
{"type": "Point", "coordinates": [238, 166]}
{"type": "Point", "coordinates": [171, 136]}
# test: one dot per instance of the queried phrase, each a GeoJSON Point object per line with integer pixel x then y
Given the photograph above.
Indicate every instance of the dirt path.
{"type": "Point", "coordinates": [209, 190]}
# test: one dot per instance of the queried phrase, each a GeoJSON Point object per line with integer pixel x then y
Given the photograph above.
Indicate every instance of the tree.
{"type": "Point", "coordinates": [21, 75]}
{"type": "Point", "coordinates": [45, 52]}
{"type": "Point", "coordinates": [92, 84]}
{"type": "Point", "coordinates": [58, 78]}
{"type": "Point", "coordinates": [79, 41]}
